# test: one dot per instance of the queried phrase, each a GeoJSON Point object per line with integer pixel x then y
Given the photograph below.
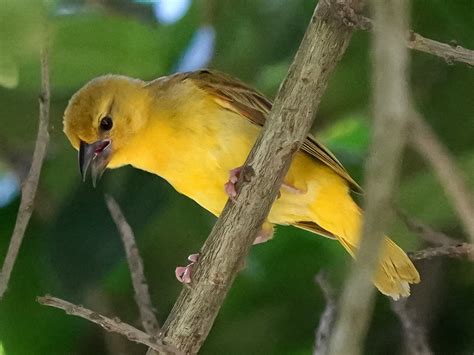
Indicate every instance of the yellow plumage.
{"type": "Point", "coordinates": [193, 128]}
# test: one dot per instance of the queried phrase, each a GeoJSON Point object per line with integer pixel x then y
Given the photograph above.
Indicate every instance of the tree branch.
{"type": "Point", "coordinates": [449, 52]}
{"type": "Point", "coordinates": [424, 231]}
{"type": "Point", "coordinates": [326, 322]}
{"type": "Point", "coordinates": [114, 325]}
{"type": "Point", "coordinates": [463, 250]}
{"type": "Point", "coordinates": [30, 185]}
{"type": "Point", "coordinates": [424, 140]}
{"type": "Point", "coordinates": [446, 245]}
{"type": "Point", "coordinates": [229, 242]}
{"type": "Point", "coordinates": [135, 265]}
{"type": "Point", "coordinates": [391, 112]}
{"type": "Point", "coordinates": [414, 332]}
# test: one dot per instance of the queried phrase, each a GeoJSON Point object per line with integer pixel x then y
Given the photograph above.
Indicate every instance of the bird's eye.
{"type": "Point", "coordinates": [106, 123]}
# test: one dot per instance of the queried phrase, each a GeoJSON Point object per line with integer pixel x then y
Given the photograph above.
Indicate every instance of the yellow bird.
{"type": "Point", "coordinates": [195, 130]}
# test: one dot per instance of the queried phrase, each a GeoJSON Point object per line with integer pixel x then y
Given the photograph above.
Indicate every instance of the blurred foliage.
{"type": "Point", "coordinates": [72, 249]}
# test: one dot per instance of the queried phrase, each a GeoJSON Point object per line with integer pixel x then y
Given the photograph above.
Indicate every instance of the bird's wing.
{"type": "Point", "coordinates": [235, 96]}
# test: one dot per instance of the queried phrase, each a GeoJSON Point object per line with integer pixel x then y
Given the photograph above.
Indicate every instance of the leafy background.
{"type": "Point", "coordinates": [72, 249]}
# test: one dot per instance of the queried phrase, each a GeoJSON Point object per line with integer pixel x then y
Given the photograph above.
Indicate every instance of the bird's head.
{"type": "Point", "coordinates": [101, 118]}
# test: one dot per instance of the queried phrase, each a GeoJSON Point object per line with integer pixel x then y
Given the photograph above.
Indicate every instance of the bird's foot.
{"type": "Point", "coordinates": [261, 238]}
{"type": "Point", "coordinates": [265, 234]}
{"type": "Point", "coordinates": [229, 186]}
{"type": "Point", "coordinates": [234, 175]}
{"type": "Point", "coordinates": [291, 189]}
{"type": "Point", "coordinates": [183, 273]}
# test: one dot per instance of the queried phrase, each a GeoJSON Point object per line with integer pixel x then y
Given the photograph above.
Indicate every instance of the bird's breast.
{"type": "Point", "coordinates": [196, 154]}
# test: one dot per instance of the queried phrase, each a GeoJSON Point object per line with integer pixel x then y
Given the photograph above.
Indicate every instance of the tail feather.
{"type": "Point", "coordinates": [396, 271]}
{"type": "Point", "coordinates": [342, 218]}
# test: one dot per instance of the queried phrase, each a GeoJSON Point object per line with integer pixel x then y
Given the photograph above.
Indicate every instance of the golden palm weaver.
{"type": "Point", "coordinates": [194, 129]}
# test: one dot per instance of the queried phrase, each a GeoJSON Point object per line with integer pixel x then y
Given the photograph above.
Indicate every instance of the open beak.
{"type": "Point", "coordinates": [97, 156]}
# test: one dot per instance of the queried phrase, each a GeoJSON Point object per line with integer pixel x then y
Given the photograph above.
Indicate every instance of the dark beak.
{"type": "Point", "coordinates": [97, 156]}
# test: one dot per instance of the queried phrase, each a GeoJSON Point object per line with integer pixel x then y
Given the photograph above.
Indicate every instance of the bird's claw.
{"type": "Point", "coordinates": [229, 186]}
{"type": "Point", "coordinates": [184, 273]}
{"type": "Point", "coordinates": [234, 175]}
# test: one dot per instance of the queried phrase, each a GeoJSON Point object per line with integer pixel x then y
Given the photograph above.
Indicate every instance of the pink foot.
{"type": "Point", "coordinates": [291, 189]}
{"type": "Point", "coordinates": [265, 234]}
{"type": "Point", "coordinates": [261, 239]}
{"type": "Point", "coordinates": [229, 186]}
{"type": "Point", "coordinates": [183, 273]}
{"type": "Point", "coordinates": [234, 176]}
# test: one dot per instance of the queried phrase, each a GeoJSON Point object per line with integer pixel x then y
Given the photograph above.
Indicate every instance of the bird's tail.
{"type": "Point", "coordinates": [395, 272]}
{"type": "Point", "coordinates": [341, 218]}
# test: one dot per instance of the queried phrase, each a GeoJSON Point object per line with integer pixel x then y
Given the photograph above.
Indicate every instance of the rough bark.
{"type": "Point", "coordinates": [449, 52]}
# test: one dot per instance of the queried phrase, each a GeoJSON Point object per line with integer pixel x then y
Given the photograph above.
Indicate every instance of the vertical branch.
{"type": "Point", "coordinates": [135, 265]}
{"type": "Point", "coordinates": [414, 332]}
{"type": "Point", "coordinates": [326, 323]}
{"type": "Point", "coordinates": [451, 178]}
{"type": "Point", "coordinates": [391, 111]}
{"type": "Point", "coordinates": [28, 191]}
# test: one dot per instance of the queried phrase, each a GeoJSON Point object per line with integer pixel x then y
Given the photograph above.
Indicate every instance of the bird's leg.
{"type": "Point", "coordinates": [291, 189]}
{"type": "Point", "coordinates": [183, 273]}
{"type": "Point", "coordinates": [265, 234]}
{"type": "Point", "coordinates": [234, 176]}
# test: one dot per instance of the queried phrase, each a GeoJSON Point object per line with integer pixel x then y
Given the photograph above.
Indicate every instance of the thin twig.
{"type": "Point", "coordinates": [424, 231]}
{"type": "Point", "coordinates": [463, 250]}
{"type": "Point", "coordinates": [446, 245]}
{"type": "Point", "coordinates": [449, 52]}
{"type": "Point", "coordinates": [391, 109]}
{"type": "Point", "coordinates": [135, 265]}
{"type": "Point", "coordinates": [30, 185]}
{"type": "Point", "coordinates": [452, 179]}
{"type": "Point", "coordinates": [114, 325]}
{"type": "Point", "coordinates": [414, 332]}
{"type": "Point", "coordinates": [286, 127]}
{"type": "Point", "coordinates": [326, 322]}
